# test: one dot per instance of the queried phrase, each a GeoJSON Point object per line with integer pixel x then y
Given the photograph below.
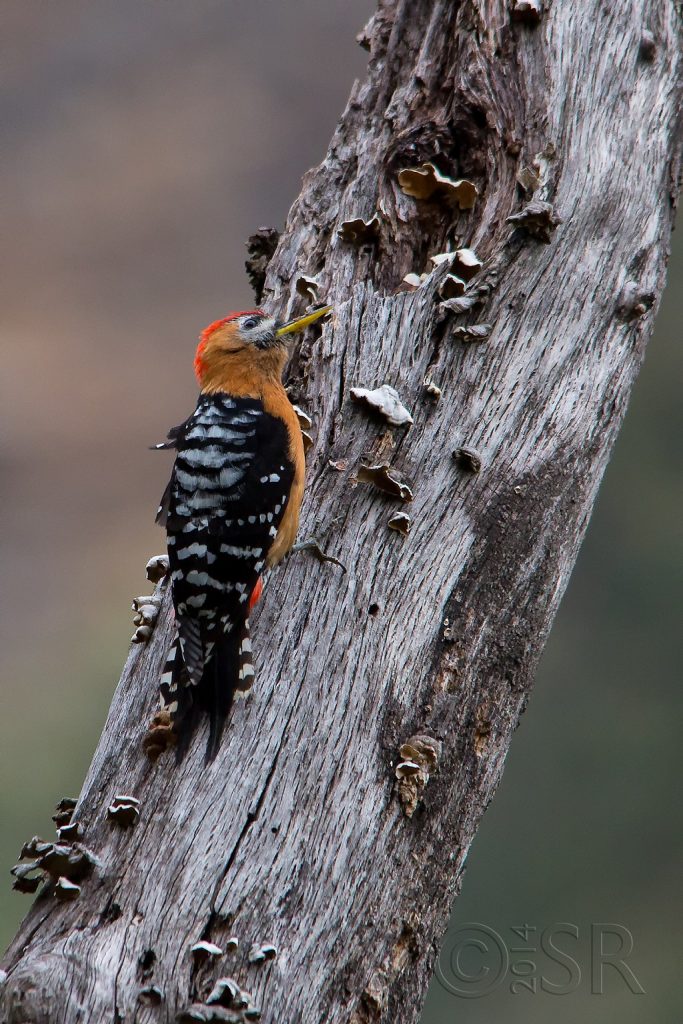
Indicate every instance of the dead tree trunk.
{"type": "Point", "coordinates": [300, 835]}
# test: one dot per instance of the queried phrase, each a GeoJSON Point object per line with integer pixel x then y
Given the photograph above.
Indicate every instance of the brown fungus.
{"type": "Point", "coordinates": [150, 996]}
{"type": "Point", "coordinates": [427, 182]}
{"type": "Point", "coordinates": [432, 389]}
{"type": "Point", "coordinates": [72, 861]}
{"type": "Point", "coordinates": [458, 305]}
{"type": "Point", "coordinates": [537, 219]}
{"type": "Point", "coordinates": [529, 11]}
{"type": "Point", "coordinates": [69, 833]}
{"type": "Point", "coordinates": [467, 459]}
{"type": "Point", "coordinates": [386, 479]}
{"type": "Point", "coordinates": [452, 287]}
{"type": "Point", "coordinates": [473, 333]}
{"type": "Point", "coordinates": [466, 263]}
{"type": "Point", "coordinates": [400, 522]}
{"type": "Point", "coordinates": [259, 954]}
{"type": "Point", "coordinates": [528, 180]}
{"type": "Point", "coordinates": [146, 610]}
{"type": "Point", "coordinates": [305, 421]}
{"type": "Point", "coordinates": [307, 286]}
{"type": "Point", "coordinates": [419, 758]}
{"type": "Point", "coordinates": [157, 568]}
{"type": "Point", "coordinates": [441, 257]}
{"type": "Point", "coordinates": [67, 891]}
{"type": "Point", "coordinates": [27, 876]}
{"type": "Point", "coordinates": [359, 231]}
{"type": "Point", "coordinates": [226, 992]}
{"type": "Point", "coordinates": [413, 281]}
{"type": "Point", "coordinates": [64, 810]}
{"type": "Point", "coordinates": [141, 635]}
{"type": "Point", "coordinates": [204, 951]}
{"type": "Point", "coordinates": [124, 811]}
{"type": "Point", "coordinates": [160, 736]}
{"type": "Point", "coordinates": [384, 401]}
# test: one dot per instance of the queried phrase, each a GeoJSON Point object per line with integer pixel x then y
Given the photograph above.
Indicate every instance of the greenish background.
{"type": "Point", "coordinates": [144, 140]}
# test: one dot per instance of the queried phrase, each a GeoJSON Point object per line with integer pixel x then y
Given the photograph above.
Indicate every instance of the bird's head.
{"type": "Point", "coordinates": [250, 338]}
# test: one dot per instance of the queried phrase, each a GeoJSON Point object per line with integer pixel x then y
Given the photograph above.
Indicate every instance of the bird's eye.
{"type": "Point", "coordinates": [250, 322]}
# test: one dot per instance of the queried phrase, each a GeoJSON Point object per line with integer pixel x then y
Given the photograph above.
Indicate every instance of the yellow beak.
{"type": "Point", "coordinates": [303, 321]}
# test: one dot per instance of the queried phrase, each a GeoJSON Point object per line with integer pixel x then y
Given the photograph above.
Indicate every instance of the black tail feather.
{"type": "Point", "coordinates": [228, 670]}
{"type": "Point", "coordinates": [217, 688]}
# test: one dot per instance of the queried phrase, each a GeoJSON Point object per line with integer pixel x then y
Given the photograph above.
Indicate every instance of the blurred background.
{"type": "Point", "coordinates": [144, 141]}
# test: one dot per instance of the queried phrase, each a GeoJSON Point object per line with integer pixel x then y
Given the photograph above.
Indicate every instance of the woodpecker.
{"type": "Point", "coordinates": [231, 509]}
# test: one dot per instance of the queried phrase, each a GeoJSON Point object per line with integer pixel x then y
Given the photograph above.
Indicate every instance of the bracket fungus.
{"type": "Point", "coordinates": [458, 305]}
{"type": "Point", "coordinates": [467, 459]}
{"type": "Point", "coordinates": [27, 876]}
{"type": "Point", "coordinates": [413, 281]}
{"type": "Point", "coordinates": [307, 286]}
{"type": "Point", "coordinates": [441, 257]}
{"type": "Point", "coordinates": [305, 421]}
{"type": "Point", "coordinates": [157, 568]}
{"type": "Point", "coordinates": [227, 1001]}
{"type": "Point", "coordinates": [150, 996]}
{"type": "Point", "coordinates": [400, 522]}
{"type": "Point", "coordinates": [419, 758]}
{"type": "Point", "coordinates": [386, 479]}
{"type": "Point", "coordinates": [226, 992]}
{"type": "Point", "coordinates": [385, 401]}
{"type": "Point", "coordinates": [259, 954]}
{"type": "Point", "coordinates": [529, 11]}
{"type": "Point", "coordinates": [55, 861]}
{"type": "Point", "coordinates": [452, 287]}
{"type": "Point", "coordinates": [124, 811]}
{"type": "Point", "coordinates": [64, 810]}
{"type": "Point", "coordinates": [427, 182]}
{"type": "Point", "coordinates": [528, 180]}
{"type": "Point", "coordinates": [359, 231]}
{"type": "Point", "coordinates": [203, 951]}
{"type": "Point", "coordinates": [146, 610]}
{"type": "Point", "coordinates": [160, 736]}
{"type": "Point", "coordinates": [66, 891]}
{"type": "Point", "coordinates": [537, 219]}
{"type": "Point", "coordinates": [473, 333]}
{"type": "Point", "coordinates": [432, 389]}
{"type": "Point", "coordinates": [69, 833]}
{"type": "Point", "coordinates": [466, 263]}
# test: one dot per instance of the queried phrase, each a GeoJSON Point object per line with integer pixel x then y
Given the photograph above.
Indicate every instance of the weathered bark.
{"type": "Point", "coordinates": [296, 834]}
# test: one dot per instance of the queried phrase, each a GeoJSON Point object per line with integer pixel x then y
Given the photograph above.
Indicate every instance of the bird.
{"type": "Point", "coordinates": [231, 510]}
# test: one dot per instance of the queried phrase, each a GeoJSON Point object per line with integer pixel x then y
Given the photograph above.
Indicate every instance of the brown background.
{"type": "Point", "coordinates": [143, 141]}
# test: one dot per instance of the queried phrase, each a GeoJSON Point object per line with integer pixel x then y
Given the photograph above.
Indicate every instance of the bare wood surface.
{"type": "Point", "coordinates": [299, 835]}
